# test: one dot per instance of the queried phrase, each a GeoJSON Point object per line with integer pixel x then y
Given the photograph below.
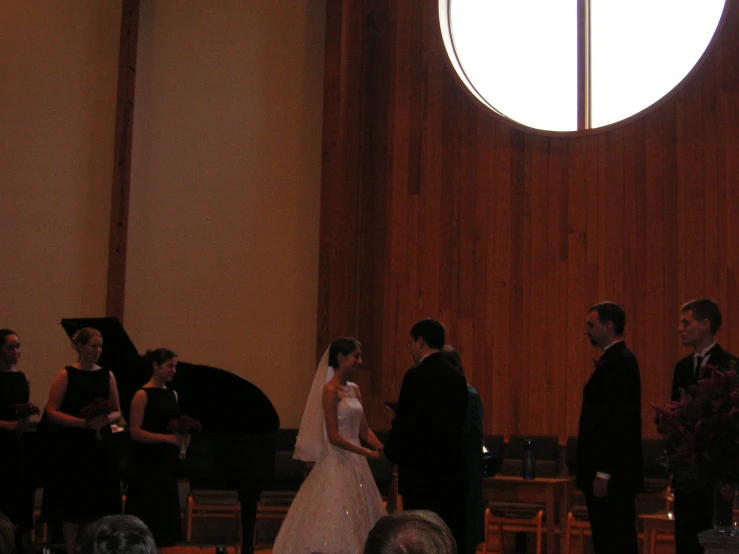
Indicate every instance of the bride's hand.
{"type": "Point", "coordinates": [373, 455]}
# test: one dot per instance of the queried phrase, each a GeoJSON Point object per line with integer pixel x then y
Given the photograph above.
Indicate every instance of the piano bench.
{"type": "Point", "coordinates": [212, 503]}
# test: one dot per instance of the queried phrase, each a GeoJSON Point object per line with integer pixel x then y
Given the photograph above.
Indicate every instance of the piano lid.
{"type": "Point", "coordinates": [223, 402]}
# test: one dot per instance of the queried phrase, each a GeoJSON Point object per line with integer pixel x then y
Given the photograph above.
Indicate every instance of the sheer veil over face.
{"type": "Point", "coordinates": [311, 438]}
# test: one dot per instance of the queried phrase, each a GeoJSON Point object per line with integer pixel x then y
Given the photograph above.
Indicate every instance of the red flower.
{"type": "Point", "coordinates": [98, 407]}
{"type": "Point", "coordinates": [25, 409]}
{"type": "Point", "coordinates": [700, 433]}
{"type": "Point", "coordinates": [184, 425]}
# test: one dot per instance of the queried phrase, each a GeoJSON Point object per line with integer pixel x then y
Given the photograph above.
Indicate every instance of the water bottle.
{"type": "Point", "coordinates": [529, 461]}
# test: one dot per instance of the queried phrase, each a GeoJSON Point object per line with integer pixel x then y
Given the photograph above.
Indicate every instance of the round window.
{"type": "Point", "coordinates": [563, 65]}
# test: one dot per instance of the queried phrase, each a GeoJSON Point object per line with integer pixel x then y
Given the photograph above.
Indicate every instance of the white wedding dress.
{"type": "Point", "coordinates": [338, 503]}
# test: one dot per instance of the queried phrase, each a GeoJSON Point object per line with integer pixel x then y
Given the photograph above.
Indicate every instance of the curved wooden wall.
{"type": "Point", "coordinates": [432, 206]}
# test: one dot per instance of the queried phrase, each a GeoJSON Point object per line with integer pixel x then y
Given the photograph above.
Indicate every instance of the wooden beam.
{"type": "Point", "coordinates": [122, 160]}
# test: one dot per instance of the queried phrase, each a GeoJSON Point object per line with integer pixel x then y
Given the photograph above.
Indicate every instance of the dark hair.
{"type": "Point", "coordinates": [410, 532]}
{"type": "Point", "coordinates": [704, 308]}
{"type": "Point", "coordinates": [6, 333]}
{"type": "Point", "coordinates": [432, 332]}
{"type": "Point", "coordinates": [610, 311]}
{"type": "Point", "coordinates": [342, 345]}
{"type": "Point", "coordinates": [7, 535]}
{"type": "Point", "coordinates": [118, 534]}
{"type": "Point", "coordinates": [451, 354]}
{"type": "Point", "coordinates": [158, 356]}
{"type": "Point", "coordinates": [83, 336]}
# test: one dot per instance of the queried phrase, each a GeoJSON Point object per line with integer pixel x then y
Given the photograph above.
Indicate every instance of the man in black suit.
{"type": "Point", "coordinates": [699, 321]}
{"type": "Point", "coordinates": [609, 449]}
{"type": "Point", "coordinates": [425, 439]}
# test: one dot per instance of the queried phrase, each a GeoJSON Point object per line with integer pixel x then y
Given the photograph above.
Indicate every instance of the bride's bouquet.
{"type": "Point", "coordinates": [184, 425]}
{"type": "Point", "coordinates": [96, 408]}
{"type": "Point", "coordinates": [24, 410]}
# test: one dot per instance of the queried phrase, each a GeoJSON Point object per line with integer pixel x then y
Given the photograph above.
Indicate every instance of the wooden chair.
{"type": "Point", "coordinates": [522, 517]}
{"type": "Point", "coordinates": [213, 504]}
{"type": "Point", "coordinates": [578, 524]}
{"type": "Point", "coordinates": [516, 517]}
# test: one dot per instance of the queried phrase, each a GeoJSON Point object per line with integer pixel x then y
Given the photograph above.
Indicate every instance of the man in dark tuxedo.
{"type": "Point", "coordinates": [700, 320]}
{"type": "Point", "coordinates": [609, 449]}
{"type": "Point", "coordinates": [425, 439]}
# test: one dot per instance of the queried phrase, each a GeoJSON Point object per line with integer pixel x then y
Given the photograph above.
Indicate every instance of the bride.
{"type": "Point", "coordinates": [338, 503]}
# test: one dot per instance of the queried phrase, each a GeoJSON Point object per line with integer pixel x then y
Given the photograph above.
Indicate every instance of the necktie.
{"type": "Point", "coordinates": [698, 364]}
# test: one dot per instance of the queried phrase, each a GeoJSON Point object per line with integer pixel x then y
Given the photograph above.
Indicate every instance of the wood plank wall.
{"type": "Point", "coordinates": [434, 206]}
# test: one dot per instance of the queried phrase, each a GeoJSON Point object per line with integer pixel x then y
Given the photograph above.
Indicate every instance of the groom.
{"type": "Point", "coordinates": [426, 435]}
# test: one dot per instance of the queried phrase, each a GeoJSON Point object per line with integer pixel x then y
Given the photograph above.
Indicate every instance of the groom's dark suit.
{"type": "Point", "coordinates": [693, 509]}
{"type": "Point", "coordinates": [609, 442]}
{"type": "Point", "coordinates": [426, 442]}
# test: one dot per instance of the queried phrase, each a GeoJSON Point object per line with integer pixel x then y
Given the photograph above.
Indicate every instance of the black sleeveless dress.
{"type": "Point", "coordinates": [16, 491]}
{"type": "Point", "coordinates": [82, 482]}
{"type": "Point", "coordinates": [152, 493]}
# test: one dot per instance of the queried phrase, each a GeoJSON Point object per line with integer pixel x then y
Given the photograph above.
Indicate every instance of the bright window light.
{"type": "Point", "coordinates": [520, 56]}
{"type": "Point", "coordinates": [642, 49]}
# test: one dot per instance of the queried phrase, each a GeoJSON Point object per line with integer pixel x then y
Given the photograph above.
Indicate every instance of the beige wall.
{"type": "Point", "coordinates": [223, 240]}
{"type": "Point", "coordinates": [57, 101]}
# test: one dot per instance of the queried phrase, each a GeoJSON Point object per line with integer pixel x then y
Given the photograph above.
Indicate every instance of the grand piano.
{"type": "Point", "coordinates": [235, 450]}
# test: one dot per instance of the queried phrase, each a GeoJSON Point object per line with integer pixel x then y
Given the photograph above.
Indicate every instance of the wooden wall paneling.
{"type": "Point", "coordinates": [538, 384]}
{"type": "Point", "coordinates": [634, 225]}
{"type": "Point", "coordinates": [377, 113]}
{"type": "Point", "coordinates": [670, 249]}
{"type": "Point", "coordinates": [508, 236]}
{"type": "Point", "coordinates": [578, 367]}
{"type": "Point", "coordinates": [714, 179]}
{"type": "Point", "coordinates": [505, 281]}
{"type": "Point", "coordinates": [654, 365]}
{"type": "Point", "coordinates": [510, 398]}
{"type": "Point", "coordinates": [338, 234]}
{"type": "Point", "coordinates": [729, 334]}
{"type": "Point", "coordinates": [557, 226]}
{"type": "Point", "coordinates": [691, 193]}
{"type": "Point", "coordinates": [469, 191]}
{"type": "Point", "coordinates": [480, 375]}
{"type": "Point", "coordinates": [612, 232]}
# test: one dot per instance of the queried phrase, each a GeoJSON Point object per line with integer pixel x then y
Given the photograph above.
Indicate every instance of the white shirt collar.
{"type": "Point", "coordinates": [704, 352]}
{"type": "Point", "coordinates": [614, 342]}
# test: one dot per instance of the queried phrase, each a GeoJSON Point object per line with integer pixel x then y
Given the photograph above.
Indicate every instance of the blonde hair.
{"type": "Point", "coordinates": [83, 336]}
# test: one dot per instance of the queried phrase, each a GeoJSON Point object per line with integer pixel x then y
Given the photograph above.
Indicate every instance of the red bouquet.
{"type": "Point", "coordinates": [700, 433]}
{"type": "Point", "coordinates": [184, 425]}
{"type": "Point", "coordinates": [25, 410]}
{"type": "Point", "coordinates": [96, 408]}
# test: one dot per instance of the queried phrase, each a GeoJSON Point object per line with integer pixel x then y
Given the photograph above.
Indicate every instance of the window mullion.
{"type": "Point", "coordinates": [583, 65]}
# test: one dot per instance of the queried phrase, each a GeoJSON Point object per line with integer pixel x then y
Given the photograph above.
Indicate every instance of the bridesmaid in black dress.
{"type": "Point", "coordinates": [16, 492]}
{"type": "Point", "coordinates": [82, 481]}
{"type": "Point", "coordinates": [152, 486]}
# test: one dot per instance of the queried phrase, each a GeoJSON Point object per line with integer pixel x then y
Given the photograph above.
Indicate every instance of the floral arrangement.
{"type": "Point", "coordinates": [96, 408]}
{"type": "Point", "coordinates": [25, 410]}
{"type": "Point", "coordinates": [700, 432]}
{"type": "Point", "coordinates": [184, 425]}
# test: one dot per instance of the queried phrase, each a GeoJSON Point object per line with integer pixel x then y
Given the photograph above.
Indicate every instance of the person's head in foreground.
{"type": "Point", "coordinates": [7, 535]}
{"type": "Point", "coordinates": [410, 532]}
{"type": "Point", "coordinates": [118, 534]}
